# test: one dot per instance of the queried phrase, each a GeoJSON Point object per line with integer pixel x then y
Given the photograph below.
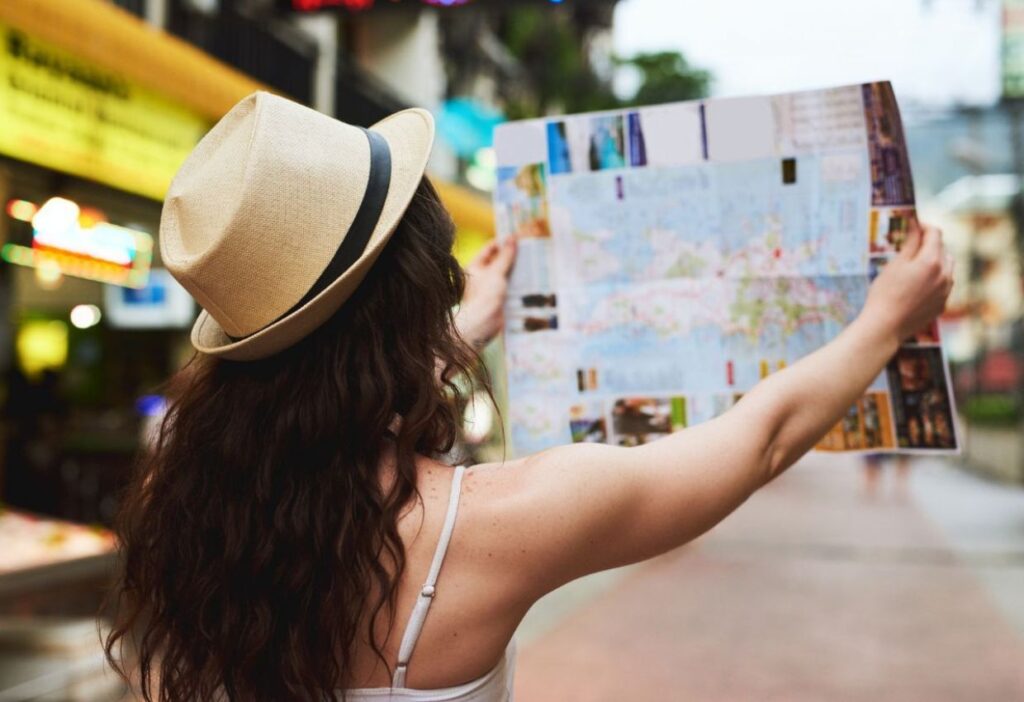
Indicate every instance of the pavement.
{"type": "Point", "coordinates": [810, 591]}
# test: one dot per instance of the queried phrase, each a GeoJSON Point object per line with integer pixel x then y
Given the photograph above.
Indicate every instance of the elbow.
{"type": "Point", "coordinates": [777, 458]}
{"type": "Point", "coordinates": [775, 451]}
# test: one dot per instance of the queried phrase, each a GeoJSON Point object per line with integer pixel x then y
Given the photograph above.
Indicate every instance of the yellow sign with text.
{"type": "Point", "coordinates": [72, 116]}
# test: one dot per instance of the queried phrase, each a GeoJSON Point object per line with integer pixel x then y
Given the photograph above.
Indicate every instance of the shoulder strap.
{"type": "Point", "coordinates": [426, 596]}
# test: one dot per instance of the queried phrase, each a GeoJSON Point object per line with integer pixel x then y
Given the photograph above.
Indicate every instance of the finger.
{"type": "Point", "coordinates": [912, 242]}
{"type": "Point", "coordinates": [931, 243]}
{"type": "Point", "coordinates": [506, 256]}
{"type": "Point", "coordinates": [947, 274]}
{"type": "Point", "coordinates": [486, 254]}
{"type": "Point", "coordinates": [947, 266]}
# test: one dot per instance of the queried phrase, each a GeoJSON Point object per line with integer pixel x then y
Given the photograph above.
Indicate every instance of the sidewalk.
{"type": "Point", "coordinates": [807, 592]}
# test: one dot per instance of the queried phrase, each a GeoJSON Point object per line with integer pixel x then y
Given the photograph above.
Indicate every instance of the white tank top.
{"type": "Point", "coordinates": [495, 686]}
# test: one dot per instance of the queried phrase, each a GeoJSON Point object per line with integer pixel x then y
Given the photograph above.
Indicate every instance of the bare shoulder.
{"type": "Point", "coordinates": [539, 518]}
{"type": "Point", "coordinates": [554, 516]}
{"type": "Point", "coordinates": [499, 529]}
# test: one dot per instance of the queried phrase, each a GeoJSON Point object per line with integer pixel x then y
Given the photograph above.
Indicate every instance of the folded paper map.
{"type": "Point", "coordinates": [672, 256]}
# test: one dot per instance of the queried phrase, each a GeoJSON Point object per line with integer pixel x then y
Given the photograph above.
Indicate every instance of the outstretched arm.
{"type": "Point", "coordinates": [588, 507]}
{"type": "Point", "coordinates": [801, 405]}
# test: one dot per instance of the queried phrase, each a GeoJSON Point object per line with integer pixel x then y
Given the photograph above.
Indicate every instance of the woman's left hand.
{"type": "Point", "coordinates": [481, 316]}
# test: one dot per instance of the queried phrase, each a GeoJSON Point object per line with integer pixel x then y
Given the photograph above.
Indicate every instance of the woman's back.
{"type": "Point", "coordinates": [436, 647]}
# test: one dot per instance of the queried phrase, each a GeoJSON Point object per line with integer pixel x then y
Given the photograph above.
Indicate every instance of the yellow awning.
{"type": "Point", "coordinates": [102, 33]}
{"type": "Point", "coordinates": [472, 215]}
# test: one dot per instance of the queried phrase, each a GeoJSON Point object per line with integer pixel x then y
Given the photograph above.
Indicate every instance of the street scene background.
{"type": "Point", "coordinates": [846, 579]}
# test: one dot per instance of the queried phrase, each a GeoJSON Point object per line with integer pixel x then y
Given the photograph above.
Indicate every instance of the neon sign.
{"type": "Point", "coordinates": [79, 243]}
{"type": "Point", "coordinates": [360, 5]}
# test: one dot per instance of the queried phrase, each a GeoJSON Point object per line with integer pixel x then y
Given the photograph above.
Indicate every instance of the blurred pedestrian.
{"type": "Point", "coordinates": [874, 465]}
{"type": "Point", "coordinates": [293, 534]}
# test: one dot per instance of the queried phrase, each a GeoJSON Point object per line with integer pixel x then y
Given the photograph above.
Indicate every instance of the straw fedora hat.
{"type": "Point", "coordinates": [277, 215]}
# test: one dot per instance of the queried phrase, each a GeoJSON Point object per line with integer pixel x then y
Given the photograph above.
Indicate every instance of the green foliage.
{"type": "Point", "coordinates": [992, 410]}
{"type": "Point", "coordinates": [558, 75]}
{"type": "Point", "coordinates": [666, 76]}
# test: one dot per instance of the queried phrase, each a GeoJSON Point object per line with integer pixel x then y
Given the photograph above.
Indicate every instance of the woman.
{"type": "Point", "coordinates": [285, 540]}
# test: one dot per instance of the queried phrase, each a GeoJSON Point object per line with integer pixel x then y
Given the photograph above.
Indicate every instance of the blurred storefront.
{"type": "Point", "coordinates": [985, 317]}
{"type": "Point", "coordinates": [99, 105]}
{"type": "Point", "coordinates": [97, 111]}
{"type": "Point", "coordinates": [90, 137]}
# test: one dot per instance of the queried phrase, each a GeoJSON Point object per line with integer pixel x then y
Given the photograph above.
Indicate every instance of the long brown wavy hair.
{"type": "Point", "coordinates": [256, 538]}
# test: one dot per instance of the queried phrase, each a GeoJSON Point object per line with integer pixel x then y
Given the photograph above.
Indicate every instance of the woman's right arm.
{"type": "Point", "coordinates": [588, 507]}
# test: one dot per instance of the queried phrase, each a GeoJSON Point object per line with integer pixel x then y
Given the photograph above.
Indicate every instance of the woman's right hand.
{"type": "Point", "coordinates": [911, 290]}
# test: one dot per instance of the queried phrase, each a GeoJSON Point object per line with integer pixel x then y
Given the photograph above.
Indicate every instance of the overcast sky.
{"type": "Point", "coordinates": [934, 51]}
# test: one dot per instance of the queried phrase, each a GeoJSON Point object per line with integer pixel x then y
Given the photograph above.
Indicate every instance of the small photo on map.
{"type": "Point", "coordinates": [586, 379]}
{"type": "Point", "coordinates": [530, 312]}
{"type": "Point", "coordinates": [532, 323]}
{"type": "Point", "coordinates": [867, 425]}
{"type": "Point", "coordinates": [891, 181]}
{"type": "Point", "coordinates": [928, 335]}
{"type": "Point", "coordinates": [559, 156]}
{"type": "Point", "coordinates": [921, 399]}
{"type": "Point", "coordinates": [637, 141]}
{"type": "Point", "coordinates": [607, 143]}
{"type": "Point", "coordinates": [521, 202]}
{"type": "Point", "coordinates": [888, 228]}
{"type": "Point", "coordinates": [570, 145]}
{"type": "Point", "coordinates": [788, 171]}
{"type": "Point", "coordinates": [538, 300]}
{"type": "Point", "coordinates": [587, 423]}
{"type": "Point", "coordinates": [640, 420]}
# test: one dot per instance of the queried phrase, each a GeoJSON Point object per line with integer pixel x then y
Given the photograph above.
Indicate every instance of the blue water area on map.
{"type": "Point", "coordinates": [738, 219]}
{"type": "Point", "coordinates": [824, 224]}
{"type": "Point", "coordinates": [636, 225]}
{"type": "Point", "coordinates": [652, 337]}
{"type": "Point", "coordinates": [848, 294]}
{"type": "Point", "coordinates": [755, 357]}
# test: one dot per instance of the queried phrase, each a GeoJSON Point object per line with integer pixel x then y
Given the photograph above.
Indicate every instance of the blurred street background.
{"type": "Point", "coordinates": [841, 581]}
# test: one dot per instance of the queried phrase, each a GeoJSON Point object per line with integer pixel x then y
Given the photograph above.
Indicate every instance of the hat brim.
{"type": "Point", "coordinates": [410, 135]}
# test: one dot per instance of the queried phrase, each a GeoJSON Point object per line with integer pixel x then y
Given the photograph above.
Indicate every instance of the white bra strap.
{"type": "Point", "coordinates": [426, 596]}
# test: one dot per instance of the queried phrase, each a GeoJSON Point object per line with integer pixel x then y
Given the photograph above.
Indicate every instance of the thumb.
{"type": "Point", "coordinates": [912, 242]}
{"type": "Point", "coordinates": [506, 255]}
{"type": "Point", "coordinates": [485, 255]}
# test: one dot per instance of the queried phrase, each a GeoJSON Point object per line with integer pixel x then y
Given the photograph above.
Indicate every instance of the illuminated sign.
{"type": "Point", "coordinates": [64, 113]}
{"type": "Point", "coordinates": [360, 5]}
{"type": "Point", "coordinates": [71, 241]}
{"type": "Point", "coordinates": [162, 304]}
{"type": "Point", "coordinates": [41, 344]}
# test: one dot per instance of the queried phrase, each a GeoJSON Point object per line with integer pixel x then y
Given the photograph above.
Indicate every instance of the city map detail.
{"type": "Point", "coordinates": [670, 257]}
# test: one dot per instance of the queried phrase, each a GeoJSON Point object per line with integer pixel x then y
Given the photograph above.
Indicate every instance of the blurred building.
{"type": "Point", "coordinates": [966, 176]}
{"type": "Point", "coordinates": [102, 101]}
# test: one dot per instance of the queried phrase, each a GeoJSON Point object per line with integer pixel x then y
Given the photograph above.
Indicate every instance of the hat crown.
{"type": "Point", "coordinates": [259, 208]}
